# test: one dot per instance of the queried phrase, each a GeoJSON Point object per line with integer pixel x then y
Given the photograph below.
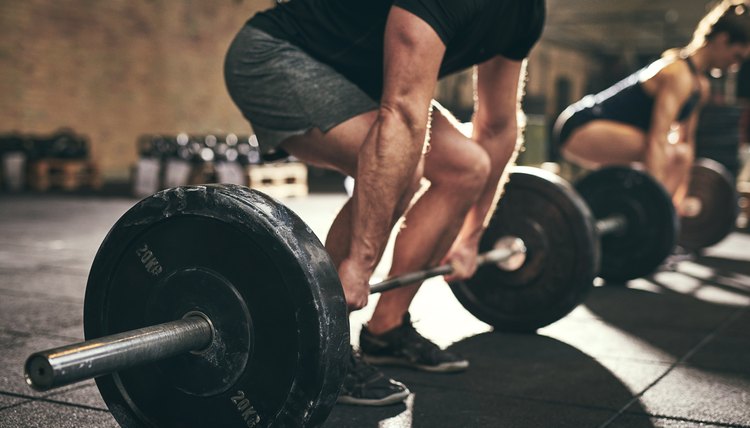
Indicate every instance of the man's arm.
{"type": "Point", "coordinates": [495, 128]}
{"type": "Point", "coordinates": [389, 156]}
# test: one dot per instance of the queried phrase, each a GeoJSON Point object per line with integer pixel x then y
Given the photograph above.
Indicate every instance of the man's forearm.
{"type": "Point", "coordinates": [502, 149]}
{"type": "Point", "coordinates": [387, 163]}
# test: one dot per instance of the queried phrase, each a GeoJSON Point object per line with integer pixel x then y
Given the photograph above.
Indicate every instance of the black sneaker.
{"type": "Point", "coordinates": [404, 346]}
{"type": "Point", "coordinates": [365, 385]}
{"type": "Point", "coordinates": [679, 255]}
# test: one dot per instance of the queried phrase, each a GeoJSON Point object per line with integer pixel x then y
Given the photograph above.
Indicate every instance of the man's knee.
{"type": "Point", "coordinates": [482, 166]}
{"type": "Point", "coordinates": [467, 170]}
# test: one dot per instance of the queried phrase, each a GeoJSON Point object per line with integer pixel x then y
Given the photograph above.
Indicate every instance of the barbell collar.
{"type": "Point", "coordinates": [504, 251]}
{"type": "Point", "coordinates": [86, 360]}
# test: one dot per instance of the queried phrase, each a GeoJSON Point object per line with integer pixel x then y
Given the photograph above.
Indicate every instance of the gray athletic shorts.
{"type": "Point", "coordinates": [284, 92]}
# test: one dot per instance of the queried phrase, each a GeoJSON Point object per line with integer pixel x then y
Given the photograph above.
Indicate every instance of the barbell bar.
{"type": "Point", "coordinates": [711, 207]}
{"type": "Point", "coordinates": [62, 366]}
{"type": "Point", "coordinates": [508, 254]}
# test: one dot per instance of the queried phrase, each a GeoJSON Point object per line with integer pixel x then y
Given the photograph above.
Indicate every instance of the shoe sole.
{"type": "Point", "coordinates": [457, 366]}
{"type": "Point", "coordinates": [386, 401]}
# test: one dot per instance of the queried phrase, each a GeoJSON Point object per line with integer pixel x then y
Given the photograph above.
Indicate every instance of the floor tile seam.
{"type": "Point", "coordinates": [666, 363]}
{"type": "Point", "coordinates": [684, 419]}
{"type": "Point", "coordinates": [36, 246]}
{"type": "Point", "coordinates": [633, 360]}
{"type": "Point", "coordinates": [703, 342]}
{"type": "Point", "coordinates": [715, 370]}
{"type": "Point", "coordinates": [10, 406]}
{"type": "Point", "coordinates": [662, 328]}
{"type": "Point", "coordinates": [22, 334]}
{"type": "Point", "coordinates": [53, 267]}
{"type": "Point", "coordinates": [519, 397]}
{"type": "Point", "coordinates": [45, 297]}
{"type": "Point", "coordinates": [616, 358]}
{"type": "Point", "coordinates": [46, 398]}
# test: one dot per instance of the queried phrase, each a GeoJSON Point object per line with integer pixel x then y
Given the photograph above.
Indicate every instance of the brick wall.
{"type": "Point", "coordinates": [114, 69]}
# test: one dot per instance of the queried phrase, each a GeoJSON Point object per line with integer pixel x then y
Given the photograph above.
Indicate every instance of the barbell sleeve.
{"type": "Point", "coordinates": [611, 224]}
{"type": "Point", "coordinates": [86, 360]}
{"type": "Point", "coordinates": [497, 255]}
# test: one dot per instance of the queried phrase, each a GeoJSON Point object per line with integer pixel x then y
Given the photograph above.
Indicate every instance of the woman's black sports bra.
{"type": "Point", "coordinates": [625, 102]}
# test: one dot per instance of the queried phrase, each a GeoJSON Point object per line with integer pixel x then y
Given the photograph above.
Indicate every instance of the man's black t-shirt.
{"type": "Point", "coordinates": [348, 34]}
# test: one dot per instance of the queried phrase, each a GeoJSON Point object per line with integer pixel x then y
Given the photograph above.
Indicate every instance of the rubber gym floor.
{"type": "Point", "coordinates": [670, 350]}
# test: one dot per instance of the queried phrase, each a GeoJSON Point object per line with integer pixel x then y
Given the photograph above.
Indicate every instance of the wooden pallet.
{"type": "Point", "coordinates": [743, 221]}
{"type": "Point", "coordinates": [65, 174]}
{"type": "Point", "coordinates": [279, 180]}
{"type": "Point", "coordinates": [202, 173]}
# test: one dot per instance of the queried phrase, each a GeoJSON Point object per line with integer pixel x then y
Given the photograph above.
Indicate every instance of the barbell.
{"type": "Point", "coordinates": [711, 206]}
{"type": "Point", "coordinates": [217, 306]}
{"type": "Point", "coordinates": [642, 227]}
{"type": "Point", "coordinates": [618, 223]}
{"type": "Point", "coordinates": [195, 332]}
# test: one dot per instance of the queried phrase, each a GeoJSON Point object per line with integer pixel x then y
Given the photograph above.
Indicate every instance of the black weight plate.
{"type": "Point", "coordinates": [253, 266]}
{"type": "Point", "coordinates": [713, 186]}
{"type": "Point", "coordinates": [652, 225]}
{"type": "Point", "coordinates": [562, 255]}
{"type": "Point", "coordinates": [197, 290]}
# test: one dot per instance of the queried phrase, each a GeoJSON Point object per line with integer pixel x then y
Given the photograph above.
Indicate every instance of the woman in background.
{"type": "Point", "coordinates": [651, 116]}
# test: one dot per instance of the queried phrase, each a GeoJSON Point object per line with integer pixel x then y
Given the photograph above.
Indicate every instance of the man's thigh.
{"type": "Point", "coordinates": [286, 94]}
{"type": "Point", "coordinates": [450, 150]}
{"type": "Point", "coordinates": [336, 149]}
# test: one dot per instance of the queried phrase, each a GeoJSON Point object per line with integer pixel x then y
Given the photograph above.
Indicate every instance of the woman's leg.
{"type": "Point", "coordinates": [602, 142]}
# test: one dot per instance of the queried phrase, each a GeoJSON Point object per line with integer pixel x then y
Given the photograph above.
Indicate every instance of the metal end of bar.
{"type": "Point", "coordinates": [509, 254]}
{"type": "Point", "coordinates": [96, 357]}
{"type": "Point", "coordinates": [38, 372]}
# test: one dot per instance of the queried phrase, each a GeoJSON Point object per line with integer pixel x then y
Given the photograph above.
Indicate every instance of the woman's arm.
{"type": "Point", "coordinates": [687, 143]}
{"type": "Point", "coordinates": [673, 86]}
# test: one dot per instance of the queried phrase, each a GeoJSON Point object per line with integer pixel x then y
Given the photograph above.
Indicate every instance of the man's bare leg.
{"type": "Point", "coordinates": [457, 169]}
{"type": "Point", "coordinates": [338, 150]}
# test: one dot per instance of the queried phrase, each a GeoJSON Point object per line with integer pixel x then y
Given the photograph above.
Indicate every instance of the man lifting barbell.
{"type": "Point", "coordinates": [633, 121]}
{"type": "Point", "coordinates": [215, 305]}
{"type": "Point", "coordinates": [348, 86]}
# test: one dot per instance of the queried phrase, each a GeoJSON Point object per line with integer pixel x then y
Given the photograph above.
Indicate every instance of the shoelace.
{"type": "Point", "coordinates": [361, 369]}
{"type": "Point", "coordinates": [421, 341]}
